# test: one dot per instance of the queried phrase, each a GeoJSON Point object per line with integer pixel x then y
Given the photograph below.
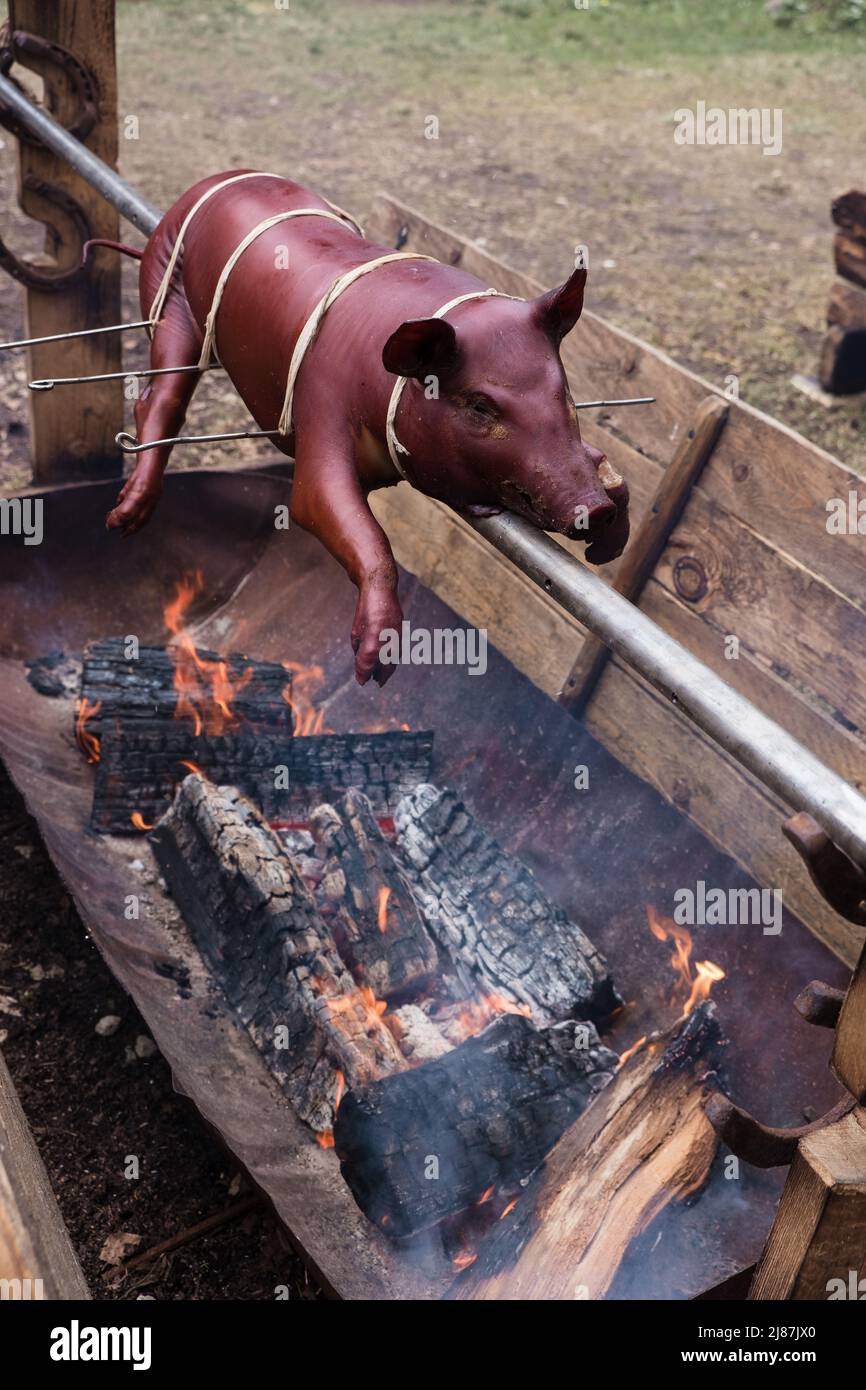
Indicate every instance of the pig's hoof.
{"type": "Point", "coordinates": [376, 627]}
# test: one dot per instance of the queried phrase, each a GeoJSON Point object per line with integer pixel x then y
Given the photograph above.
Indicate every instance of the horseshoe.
{"type": "Point", "coordinates": [764, 1146]}
{"type": "Point", "coordinates": [20, 46]}
{"type": "Point", "coordinates": [44, 277]}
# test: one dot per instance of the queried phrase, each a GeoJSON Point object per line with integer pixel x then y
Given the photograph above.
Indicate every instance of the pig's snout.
{"type": "Point", "coordinates": [591, 519]}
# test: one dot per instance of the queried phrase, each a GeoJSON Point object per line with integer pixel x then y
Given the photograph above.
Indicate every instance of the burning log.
{"type": "Point", "coordinates": [644, 1142]}
{"type": "Point", "coordinates": [429, 1142]}
{"type": "Point", "coordinates": [242, 692]}
{"type": "Point", "coordinates": [382, 936]}
{"type": "Point", "coordinates": [487, 911]}
{"type": "Point", "coordinates": [255, 923]}
{"type": "Point", "coordinates": [142, 761]}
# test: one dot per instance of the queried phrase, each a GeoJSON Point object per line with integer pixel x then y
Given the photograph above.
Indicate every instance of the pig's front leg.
{"type": "Point", "coordinates": [329, 501]}
{"type": "Point", "coordinates": [159, 413]}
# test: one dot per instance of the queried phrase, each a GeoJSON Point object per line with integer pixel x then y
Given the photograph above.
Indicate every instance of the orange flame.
{"type": "Point", "coordinates": [325, 1138]}
{"type": "Point", "coordinates": [139, 822]}
{"type": "Point", "coordinates": [306, 681]}
{"type": "Point", "coordinates": [511, 1205]}
{"type": "Point", "coordinates": [193, 767]}
{"type": "Point", "coordinates": [630, 1052]}
{"type": "Point", "coordinates": [384, 895]}
{"type": "Point", "coordinates": [89, 743]}
{"type": "Point", "coordinates": [475, 1014]}
{"type": "Point", "coordinates": [465, 1259]}
{"type": "Point", "coordinates": [696, 988]}
{"type": "Point", "coordinates": [205, 687]}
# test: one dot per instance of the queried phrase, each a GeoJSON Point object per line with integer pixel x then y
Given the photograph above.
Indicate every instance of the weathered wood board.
{"type": "Point", "coordinates": [751, 559]}
{"type": "Point", "coordinates": [37, 1260]}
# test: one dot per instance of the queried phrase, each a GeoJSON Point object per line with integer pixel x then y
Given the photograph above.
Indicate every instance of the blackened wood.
{"type": "Point", "coordinates": [429, 1142]}
{"type": "Point", "coordinates": [842, 362]}
{"type": "Point", "coordinates": [849, 212]}
{"type": "Point", "coordinates": [381, 934]}
{"type": "Point", "coordinates": [143, 761]}
{"type": "Point", "coordinates": [486, 910]}
{"type": "Point", "coordinates": [256, 925]}
{"type": "Point", "coordinates": [144, 688]}
{"type": "Point", "coordinates": [642, 1143]}
{"type": "Point", "coordinates": [849, 250]}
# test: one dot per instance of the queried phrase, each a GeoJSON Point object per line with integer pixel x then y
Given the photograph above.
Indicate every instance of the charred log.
{"type": "Point", "coordinates": [487, 911]}
{"type": "Point", "coordinates": [642, 1143]}
{"type": "Point", "coordinates": [121, 690]}
{"type": "Point", "coordinates": [142, 761]}
{"type": "Point", "coordinates": [256, 925]}
{"type": "Point", "coordinates": [381, 934]}
{"type": "Point", "coordinates": [429, 1142]}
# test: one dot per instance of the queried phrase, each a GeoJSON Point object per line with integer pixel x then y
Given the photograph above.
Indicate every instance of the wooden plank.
{"type": "Point", "coordinates": [817, 1247]}
{"type": "Point", "coordinates": [642, 554]}
{"type": "Point", "coordinates": [660, 745]}
{"type": "Point", "coordinates": [35, 1248]}
{"type": "Point", "coordinates": [72, 431]}
{"type": "Point", "coordinates": [849, 1050]}
{"type": "Point", "coordinates": [762, 472]}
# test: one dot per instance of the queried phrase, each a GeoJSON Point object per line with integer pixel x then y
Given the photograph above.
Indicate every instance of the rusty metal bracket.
{"type": "Point", "coordinates": [764, 1146]}
{"type": "Point", "coordinates": [46, 278]}
{"type": "Point", "coordinates": [31, 50]}
{"type": "Point", "coordinates": [838, 879]}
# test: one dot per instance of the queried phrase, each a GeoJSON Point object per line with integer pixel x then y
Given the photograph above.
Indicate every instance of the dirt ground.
{"type": "Point", "coordinates": [555, 127]}
{"type": "Point", "coordinates": [94, 1099]}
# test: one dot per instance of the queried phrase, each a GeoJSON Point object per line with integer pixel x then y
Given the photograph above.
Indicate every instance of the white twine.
{"type": "Point", "coordinates": [209, 344]}
{"type": "Point", "coordinates": [314, 323]}
{"type": "Point", "coordinates": [159, 301]}
{"type": "Point", "coordinates": [395, 448]}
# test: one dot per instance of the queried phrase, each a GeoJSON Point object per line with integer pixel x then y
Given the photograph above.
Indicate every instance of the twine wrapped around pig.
{"type": "Point", "coordinates": [367, 366]}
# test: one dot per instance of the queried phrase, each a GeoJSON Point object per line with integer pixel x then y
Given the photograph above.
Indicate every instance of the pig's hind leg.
{"type": "Point", "coordinates": [162, 405]}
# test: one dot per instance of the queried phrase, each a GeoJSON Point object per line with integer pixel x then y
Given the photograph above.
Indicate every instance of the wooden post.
{"type": "Point", "coordinates": [817, 1247]}
{"type": "Point", "coordinates": [72, 429]}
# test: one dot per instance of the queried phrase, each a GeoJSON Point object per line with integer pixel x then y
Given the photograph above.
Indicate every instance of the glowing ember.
{"type": "Point", "coordinates": [192, 767]}
{"type": "Point", "coordinates": [384, 895]}
{"type": "Point", "coordinates": [341, 1090]}
{"type": "Point", "coordinates": [88, 742]}
{"type": "Point", "coordinates": [511, 1205]}
{"type": "Point", "coordinates": [139, 822]}
{"type": "Point", "coordinates": [325, 1138]}
{"type": "Point", "coordinates": [696, 988]}
{"type": "Point", "coordinates": [205, 688]}
{"type": "Point", "coordinates": [485, 1196]}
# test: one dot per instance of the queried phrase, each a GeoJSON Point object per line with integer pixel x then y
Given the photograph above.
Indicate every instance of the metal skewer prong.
{"type": "Point", "coordinates": [595, 405]}
{"type": "Point", "coordinates": [50, 382]}
{"type": "Point", "coordinates": [130, 445]}
{"type": "Point", "coordinates": [79, 333]}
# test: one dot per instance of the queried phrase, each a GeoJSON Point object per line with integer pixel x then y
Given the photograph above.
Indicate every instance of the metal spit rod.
{"type": "Point", "coordinates": [771, 754]}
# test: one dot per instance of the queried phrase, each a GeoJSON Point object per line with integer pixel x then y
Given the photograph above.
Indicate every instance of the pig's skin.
{"type": "Point", "coordinates": [502, 433]}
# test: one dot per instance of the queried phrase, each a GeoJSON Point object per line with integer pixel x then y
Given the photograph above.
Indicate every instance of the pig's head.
{"type": "Point", "coordinates": [489, 422]}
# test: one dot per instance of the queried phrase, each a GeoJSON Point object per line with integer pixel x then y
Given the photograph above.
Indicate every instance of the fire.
{"type": "Point", "coordinates": [205, 688]}
{"type": "Point", "coordinates": [630, 1052]}
{"type": "Point", "coordinates": [382, 910]}
{"type": "Point", "coordinates": [696, 988]}
{"type": "Point", "coordinates": [465, 1259]}
{"type": "Point", "coordinates": [88, 742]}
{"type": "Point", "coordinates": [486, 1195]}
{"type": "Point", "coordinates": [340, 1092]}
{"type": "Point", "coordinates": [325, 1138]}
{"type": "Point", "coordinates": [139, 822]}
{"type": "Point", "coordinates": [306, 681]}
{"type": "Point", "coordinates": [511, 1205]}
{"type": "Point", "coordinates": [192, 767]}
{"type": "Point", "coordinates": [475, 1014]}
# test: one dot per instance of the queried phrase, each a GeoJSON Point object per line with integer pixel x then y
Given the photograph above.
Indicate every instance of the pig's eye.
{"type": "Point", "coordinates": [482, 407]}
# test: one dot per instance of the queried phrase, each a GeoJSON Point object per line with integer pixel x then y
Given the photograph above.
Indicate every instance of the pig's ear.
{"type": "Point", "coordinates": [421, 348]}
{"type": "Point", "coordinates": [559, 310]}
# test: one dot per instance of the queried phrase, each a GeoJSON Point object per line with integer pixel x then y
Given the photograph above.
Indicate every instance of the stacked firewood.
{"type": "Point", "coordinates": [842, 366]}
{"type": "Point", "coordinates": [364, 966]}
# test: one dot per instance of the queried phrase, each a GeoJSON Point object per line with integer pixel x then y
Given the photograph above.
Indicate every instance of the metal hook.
{"type": "Point", "coordinates": [79, 333]}
{"type": "Point", "coordinates": [50, 382]}
{"type": "Point", "coordinates": [595, 405]}
{"type": "Point", "coordinates": [130, 445]}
